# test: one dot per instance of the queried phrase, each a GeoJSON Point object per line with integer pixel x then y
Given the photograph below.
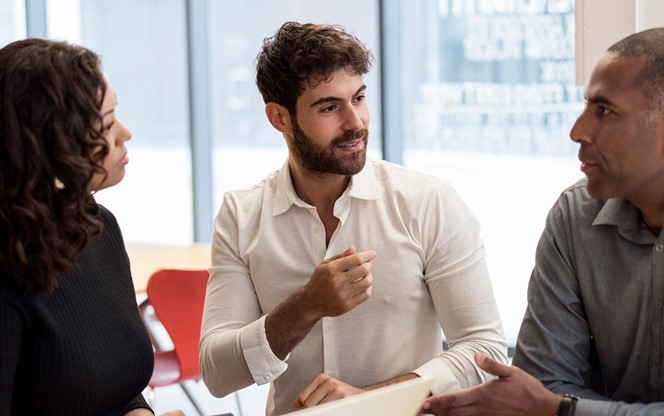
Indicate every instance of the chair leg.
{"type": "Point", "coordinates": [191, 398]}
{"type": "Point", "coordinates": [238, 404]}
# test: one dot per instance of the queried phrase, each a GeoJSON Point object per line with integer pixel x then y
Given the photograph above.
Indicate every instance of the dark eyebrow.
{"type": "Point", "coordinates": [331, 98]}
{"type": "Point", "coordinates": [599, 100]}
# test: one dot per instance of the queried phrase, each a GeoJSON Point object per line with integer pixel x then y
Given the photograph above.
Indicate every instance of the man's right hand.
{"type": "Point", "coordinates": [340, 283]}
{"type": "Point", "coordinates": [513, 393]}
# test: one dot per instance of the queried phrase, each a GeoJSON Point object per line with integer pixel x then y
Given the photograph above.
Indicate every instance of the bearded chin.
{"type": "Point", "coordinates": [326, 160]}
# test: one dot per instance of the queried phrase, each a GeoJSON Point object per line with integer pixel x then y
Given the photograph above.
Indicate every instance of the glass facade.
{"type": "Point", "coordinates": [491, 77]}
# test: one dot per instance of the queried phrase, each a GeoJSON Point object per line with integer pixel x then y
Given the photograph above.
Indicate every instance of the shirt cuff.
{"type": "Point", "coordinates": [444, 380]}
{"type": "Point", "coordinates": [593, 407]}
{"type": "Point", "coordinates": [263, 364]}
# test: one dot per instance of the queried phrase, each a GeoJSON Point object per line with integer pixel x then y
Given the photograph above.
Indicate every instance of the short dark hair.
{"type": "Point", "coordinates": [51, 145]}
{"type": "Point", "coordinates": [649, 43]}
{"type": "Point", "coordinates": [302, 55]}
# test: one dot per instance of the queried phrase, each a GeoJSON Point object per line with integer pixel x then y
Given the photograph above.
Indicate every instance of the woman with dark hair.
{"type": "Point", "coordinates": [72, 339]}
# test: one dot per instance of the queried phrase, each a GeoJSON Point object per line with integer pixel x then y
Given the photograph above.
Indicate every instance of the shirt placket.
{"type": "Point", "coordinates": [330, 356]}
{"type": "Point", "coordinates": [330, 364]}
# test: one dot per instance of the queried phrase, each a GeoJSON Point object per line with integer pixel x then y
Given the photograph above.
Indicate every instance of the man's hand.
{"type": "Point", "coordinates": [514, 393]}
{"type": "Point", "coordinates": [340, 283]}
{"type": "Point", "coordinates": [323, 389]}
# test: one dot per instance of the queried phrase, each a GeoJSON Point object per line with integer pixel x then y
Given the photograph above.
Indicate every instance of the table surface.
{"type": "Point", "coordinates": [147, 258]}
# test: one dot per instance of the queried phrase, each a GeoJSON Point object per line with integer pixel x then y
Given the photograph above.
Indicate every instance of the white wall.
{"type": "Point", "coordinates": [601, 23]}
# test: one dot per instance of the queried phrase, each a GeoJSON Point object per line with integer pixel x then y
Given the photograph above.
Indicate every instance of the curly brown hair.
{"type": "Point", "coordinates": [303, 55]}
{"type": "Point", "coordinates": [51, 144]}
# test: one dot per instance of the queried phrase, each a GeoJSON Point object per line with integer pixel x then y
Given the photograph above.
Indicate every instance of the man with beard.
{"type": "Point", "coordinates": [335, 275]}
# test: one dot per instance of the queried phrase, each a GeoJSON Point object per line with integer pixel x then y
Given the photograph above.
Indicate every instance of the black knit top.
{"type": "Point", "coordinates": [82, 349]}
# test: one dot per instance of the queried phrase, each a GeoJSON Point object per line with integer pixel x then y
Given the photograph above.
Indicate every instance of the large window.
{"type": "Point", "coordinates": [489, 101]}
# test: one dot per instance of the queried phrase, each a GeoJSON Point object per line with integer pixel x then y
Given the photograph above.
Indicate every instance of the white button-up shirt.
{"type": "Point", "coordinates": [429, 274]}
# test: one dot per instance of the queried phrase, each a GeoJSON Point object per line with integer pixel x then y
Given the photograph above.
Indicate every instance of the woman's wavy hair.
{"type": "Point", "coordinates": [303, 55]}
{"type": "Point", "coordinates": [51, 144]}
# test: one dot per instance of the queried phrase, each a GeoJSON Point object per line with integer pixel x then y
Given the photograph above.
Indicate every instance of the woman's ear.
{"type": "Point", "coordinates": [279, 117]}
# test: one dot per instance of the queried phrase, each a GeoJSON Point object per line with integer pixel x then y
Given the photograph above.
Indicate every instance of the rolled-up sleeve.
{"type": "Point", "coordinates": [458, 280]}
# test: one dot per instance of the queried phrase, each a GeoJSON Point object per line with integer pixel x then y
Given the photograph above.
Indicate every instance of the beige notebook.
{"type": "Point", "coordinates": [400, 399]}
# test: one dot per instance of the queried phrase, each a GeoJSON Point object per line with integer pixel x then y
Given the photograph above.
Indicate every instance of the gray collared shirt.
{"type": "Point", "coordinates": [594, 325]}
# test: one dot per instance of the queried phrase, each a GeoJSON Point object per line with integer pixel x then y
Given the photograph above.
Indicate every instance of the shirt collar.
{"type": "Point", "coordinates": [627, 218]}
{"type": "Point", "coordinates": [361, 186]}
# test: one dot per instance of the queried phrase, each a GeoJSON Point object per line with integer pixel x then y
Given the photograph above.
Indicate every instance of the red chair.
{"type": "Point", "coordinates": [177, 297]}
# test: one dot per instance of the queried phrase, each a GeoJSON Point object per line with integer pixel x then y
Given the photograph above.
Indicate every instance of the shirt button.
{"type": "Point", "coordinates": [659, 248]}
{"type": "Point", "coordinates": [658, 304]}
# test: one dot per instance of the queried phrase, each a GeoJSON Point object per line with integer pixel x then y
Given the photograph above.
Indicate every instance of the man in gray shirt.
{"type": "Point", "coordinates": [593, 333]}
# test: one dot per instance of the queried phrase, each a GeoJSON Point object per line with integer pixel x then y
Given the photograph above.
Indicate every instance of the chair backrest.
{"type": "Point", "coordinates": [177, 297]}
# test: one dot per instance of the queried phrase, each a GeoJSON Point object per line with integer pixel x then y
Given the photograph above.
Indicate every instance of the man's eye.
{"type": "Point", "coordinates": [329, 108]}
{"type": "Point", "coordinates": [603, 111]}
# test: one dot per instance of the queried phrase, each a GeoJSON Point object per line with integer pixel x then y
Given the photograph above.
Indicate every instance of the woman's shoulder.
{"type": "Point", "coordinates": [106, 217]}
{"type": "Point", "coordinates": [104, 213]}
